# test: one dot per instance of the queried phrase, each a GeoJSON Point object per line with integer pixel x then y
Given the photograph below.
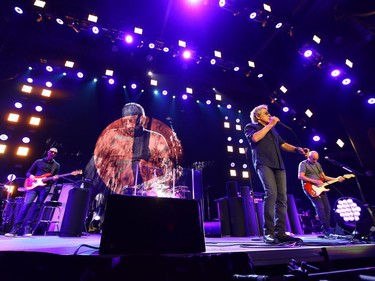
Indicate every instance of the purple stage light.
{"type": "Point", "coordinates": [316, 138]}
{"type": "Point", "coordinates": [346, 81]}
{"type": "Point", "coordinates": [307, 53]}
{"type": "Point", "coordinates": [335, 73]}
{"type": "Point", "coordinates": [186, 54]}
{"type": "Point", "coordinates": [128, 39]}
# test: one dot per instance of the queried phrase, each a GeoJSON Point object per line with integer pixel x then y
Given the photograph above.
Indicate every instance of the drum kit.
{"type": "Point", "coordinates": [10, 203]}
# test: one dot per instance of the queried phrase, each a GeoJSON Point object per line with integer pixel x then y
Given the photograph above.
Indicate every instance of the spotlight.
{"type": "Point", "coordinates": [351, 217]}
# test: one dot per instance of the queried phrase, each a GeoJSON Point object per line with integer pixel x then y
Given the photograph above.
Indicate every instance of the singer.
{"type": "Point", "coordinates": [265, 145]}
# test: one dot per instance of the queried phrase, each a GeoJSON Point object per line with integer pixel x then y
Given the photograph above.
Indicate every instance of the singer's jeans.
{"type": "Point", "coordinates": [322, 208]}
{"type": "Point", "coordinates": [275, 199]}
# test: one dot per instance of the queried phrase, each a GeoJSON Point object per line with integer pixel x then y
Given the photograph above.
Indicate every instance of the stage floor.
{"type": "Point", "coordinates": [349, 254]}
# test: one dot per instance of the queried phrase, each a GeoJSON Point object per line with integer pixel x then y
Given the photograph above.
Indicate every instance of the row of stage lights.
{"type": "Point", "coordinates": [263, 16]}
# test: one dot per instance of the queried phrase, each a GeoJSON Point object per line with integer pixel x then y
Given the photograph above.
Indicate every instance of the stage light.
{"type": "Point", "coordinates": [229, 106]}
{"type": "Point", "coordinates": [226, 125]}
{"type": "Point", "coordinates": [230, 148]}
{"type": "Point", "coordinates": [35, 121]}
{"type": "Point", "coordinates": [251, 63]}
{"type": "Point", "coordinates": [316, 39]}
{"type": "Point", "coordinates": [3, 137]}
{"type": "Point", "coordinates": [2, 148]}
{"type": "Point", "coordinates": [26, 89]}
{"type": "Point", "coordinates": [184, 96]}
{"type": "Point", "coordinates": [307, 53]}
{"type": "Point", "coordinates": [217, 54]}
{"type": "Point", "coordinates": [348, 213]}
{"type": "Point", "coordinates": [80, 75]}
{"type": "Point", "coordinates": [283, 89]}
{"type": "Point", "coordinates": [349, 63]}
{"type": "Point", "coordinates": [46, 93]}
{"type": "Point", "coordinates": [92, 18]}
{"type": "Point", "coordinates": [371, 101]}
{"type": "Point", "coordinates": [13, 117]}
{"type": "Point", "coordinates": [238, 127]}
{"type": "Point", "coordinates": [111, 81]}
{"type": "Point", "coordinates": [335, 73]}
{"type": "Point", "coordinates": [95, 30]}
{"type": "Point", "coordinates": [22, 151]}
{"type": "Point", "coordinates": [18, 105]}
{"type": "Point", "coordinates": [278, 25]}
{"type": "Point", "coordinates": [253, 15]}
{"type": "Point", "coordinates": [138, 30]}
{"type": "Point", "coordinates": [38, 108]}
{"type": "Point", "coordinates": [39, 3]}
{"type": "Point", "coordinates": [59, 21]}
{"type": "Point", "coordinates": [69, 64]}
{"type": "Point", "coordinates": [25, 140]}
{"type": "Point", "coordinates": [18, 10]}
{"type": "Point", "coordinates": [186, 54]}
{"type": "Point", "coordinates": [109, 72]}
{"type": "Point", "coordinates": [49, 84]}
{"type": "Point", "coordinates": [153, 82]}
{"type": "Point", "coordinates": [213, 61]}
{"type": "Point", "coordinates": [308, 113]}
{"type": "Point", "coordinates": [129, 39]}
{"type": "Point", "coordinates": [30, 80]}
{"type": "Point", "coordinates": [340, 143]}
{"type": "Point", "coordinates": [346, 81]}
{"type": "Point", "coordinates": [316, 138]}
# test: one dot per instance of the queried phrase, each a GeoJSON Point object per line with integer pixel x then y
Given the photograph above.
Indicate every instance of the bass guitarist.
{"type": "Point", "coordinates": [46, 165]}
{"type": "Point", "coordinates": [311, 173]}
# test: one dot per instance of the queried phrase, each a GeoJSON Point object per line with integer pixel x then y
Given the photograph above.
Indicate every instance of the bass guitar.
{"type": "Point", "coordinates": [42, 180]}
{"type": "Point", "coordinates": [315, 191]}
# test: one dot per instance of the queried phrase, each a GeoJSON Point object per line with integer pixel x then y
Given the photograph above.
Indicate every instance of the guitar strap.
{"type": "Point", "coordinates": [312, 167]}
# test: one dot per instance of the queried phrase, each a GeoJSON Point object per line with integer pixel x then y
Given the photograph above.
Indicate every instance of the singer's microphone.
{"type": "Point", "coordinates": [285, 126]}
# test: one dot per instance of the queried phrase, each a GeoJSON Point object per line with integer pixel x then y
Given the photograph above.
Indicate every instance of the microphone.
{"type": "Point", "coordinates": [285, 126]}
{"type": "Point", "coordinates": [330, 160]}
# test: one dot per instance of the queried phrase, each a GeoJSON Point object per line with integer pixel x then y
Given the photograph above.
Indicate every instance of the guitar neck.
{"type": "Point", "coordinates": [330, 182]}
{"type": "Point", "coordinates": [58, 176]}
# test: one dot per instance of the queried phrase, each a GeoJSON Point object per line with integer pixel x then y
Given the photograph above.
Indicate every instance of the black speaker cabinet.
{"type": "Point", "coordinates": [75, 213]}
{"type": "Point", "coordinates": [151, 225]}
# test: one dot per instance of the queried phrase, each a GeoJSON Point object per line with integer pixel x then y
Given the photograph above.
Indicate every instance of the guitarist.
{"type": "Point", "coordinates": [46, 165]}
{"type": "Point", "coordinates": [310, 171]}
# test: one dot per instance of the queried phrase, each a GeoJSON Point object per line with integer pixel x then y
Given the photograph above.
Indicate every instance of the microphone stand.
{"type": "Point", "coordinates": [364, 203]}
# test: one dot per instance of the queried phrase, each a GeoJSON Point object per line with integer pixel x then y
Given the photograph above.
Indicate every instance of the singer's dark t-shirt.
{"type": "Point", "coordinates": [266, 151]}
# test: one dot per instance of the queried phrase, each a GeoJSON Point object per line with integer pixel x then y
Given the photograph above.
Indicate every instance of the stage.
{"type": "Point", "coordinates": [226, 258]}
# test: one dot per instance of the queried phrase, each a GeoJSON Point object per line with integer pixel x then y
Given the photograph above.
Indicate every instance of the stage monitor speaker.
{"type": "Point", "coordinates": [75, 213]}
{"type": "Point", "coordinates": [151, 225]}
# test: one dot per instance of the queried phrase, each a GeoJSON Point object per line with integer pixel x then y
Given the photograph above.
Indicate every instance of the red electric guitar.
{"type": "Point", "coordinates": [315, 191]}
{"type": "Point", "coordinates": [41, 180]}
